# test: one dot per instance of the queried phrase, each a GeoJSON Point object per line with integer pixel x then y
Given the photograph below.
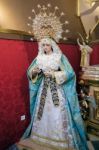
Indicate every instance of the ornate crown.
{"type": "Point", "coordinates": [47, 23]}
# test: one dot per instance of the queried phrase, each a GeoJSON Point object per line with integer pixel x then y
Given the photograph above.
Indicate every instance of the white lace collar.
{"type": "Point", "coordinates": [51, 61]}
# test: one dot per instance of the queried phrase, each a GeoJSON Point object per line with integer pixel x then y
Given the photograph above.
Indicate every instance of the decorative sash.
{"type": "Point", "coordinates": [48, 81]}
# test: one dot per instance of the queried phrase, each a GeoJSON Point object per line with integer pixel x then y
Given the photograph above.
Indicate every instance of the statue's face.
{"type": "Point", "coordinates": [47, 48]}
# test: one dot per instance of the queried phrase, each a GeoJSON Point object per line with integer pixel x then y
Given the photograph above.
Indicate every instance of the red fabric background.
{"type": "Point", "coordinates": [15, 57]}
{"type": "Point", "coordinates": [94, 59]}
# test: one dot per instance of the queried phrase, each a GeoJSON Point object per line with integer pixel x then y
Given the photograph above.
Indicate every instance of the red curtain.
{"type": "Point", "coordinates": [15, 57]}
{"type": "Point", "coordinates": [94, 59]}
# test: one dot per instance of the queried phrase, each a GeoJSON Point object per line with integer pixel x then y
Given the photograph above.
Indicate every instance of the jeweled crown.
{"type": "Point", "coordinates": [47, 23]}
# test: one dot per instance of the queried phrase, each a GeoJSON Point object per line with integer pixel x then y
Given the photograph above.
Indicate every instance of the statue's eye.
{"type": "Point", "coordinates": [43, 45]}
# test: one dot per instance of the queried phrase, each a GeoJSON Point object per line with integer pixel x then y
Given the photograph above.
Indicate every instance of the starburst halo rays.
{"type": "Point", "coordinates": [47, 24]}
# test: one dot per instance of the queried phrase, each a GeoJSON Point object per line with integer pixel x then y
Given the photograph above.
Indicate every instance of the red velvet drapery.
{"type": "Point", "coordinates": [15, 57]}
{"type": "Point", "coordinates": [94, 59]}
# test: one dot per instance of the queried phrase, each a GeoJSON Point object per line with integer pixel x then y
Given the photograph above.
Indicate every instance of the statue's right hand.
{"type": "Point", "coordinates": [36, 70]}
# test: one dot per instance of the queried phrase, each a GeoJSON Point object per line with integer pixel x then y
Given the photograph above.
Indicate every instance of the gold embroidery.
{"type": "Point", "coordinates": [52, 82]}
{"type": "Point", "coordinates": [46, 138]}
{"type": "Point", "coordinates": [51, 146]}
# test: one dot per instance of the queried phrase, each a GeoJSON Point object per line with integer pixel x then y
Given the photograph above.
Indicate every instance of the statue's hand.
{"type": "Point", "coordinates": [36, 70]}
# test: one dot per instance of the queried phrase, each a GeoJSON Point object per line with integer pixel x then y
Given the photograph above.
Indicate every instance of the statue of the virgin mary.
{"type": "Point", "coordinates": [55, 114]}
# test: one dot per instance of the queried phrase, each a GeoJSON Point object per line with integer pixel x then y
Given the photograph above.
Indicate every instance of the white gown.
{"type": "Point", "coordinates": [53, 129]}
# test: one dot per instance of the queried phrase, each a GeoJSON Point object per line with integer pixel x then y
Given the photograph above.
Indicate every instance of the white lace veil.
{"type": "Point", "coordinates": [53, 44]}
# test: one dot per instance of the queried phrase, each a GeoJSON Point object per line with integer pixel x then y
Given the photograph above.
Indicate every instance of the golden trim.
{"type": "Point", "coordinates": [20, 145]}
{"type": "Point", "coordinates": [46, 138]}
{"type": "Point", "coordinates": [78, 8]}
{"type": "Point", "coordinates": [92, 80]}
{"type": "Point", "coordinates": [24, 33]}
{"type": "Point", "coordinates": [50, 146]}
{"type": "Point", "coordinates": [94, 83]}
{"type": "Point", "coordinates": [97, 114]}
{"type": "Point", "coordinates": [11, 31]}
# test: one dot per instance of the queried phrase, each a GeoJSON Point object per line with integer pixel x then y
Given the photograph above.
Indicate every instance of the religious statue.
{"type": "Point", "coordinates": [55, 113]}
{"type": "Point", "coordinates": [85, 53]}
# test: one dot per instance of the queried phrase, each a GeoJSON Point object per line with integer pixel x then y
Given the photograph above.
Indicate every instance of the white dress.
{"type": "Point", "coordinates": [53, 129]}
